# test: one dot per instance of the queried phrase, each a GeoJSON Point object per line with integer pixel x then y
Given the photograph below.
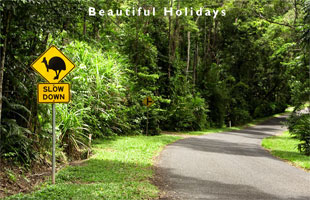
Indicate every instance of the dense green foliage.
{"type": "Point", "coordinates": [201, 71]}
{"type": "Point", "coordinates": [299, 121]}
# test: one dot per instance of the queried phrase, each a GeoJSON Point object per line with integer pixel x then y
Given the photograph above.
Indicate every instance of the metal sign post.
{"type": "Point", "coordinates": [53, 65]}
{"type": "Point", "coordinates": [148, 101]}
{"type": "Point", "coordinates": [147, 121]}
{"type": "Point", "coordinates": [54, 141]}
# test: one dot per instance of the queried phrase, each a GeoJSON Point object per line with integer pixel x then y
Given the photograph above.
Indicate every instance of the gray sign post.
{"type": "Point", "coordinates": [54, 141]}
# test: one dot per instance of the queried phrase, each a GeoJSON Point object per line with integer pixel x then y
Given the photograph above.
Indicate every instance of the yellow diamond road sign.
{"type": "Point", "coordinates": [53, 65]}
{"type": "Point", "coordinates": [148, 101]}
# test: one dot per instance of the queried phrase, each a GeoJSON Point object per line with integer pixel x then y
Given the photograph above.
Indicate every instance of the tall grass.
{"type": "Point", "coordinates": [72, 130]}
{"type": "Point", "coordinates": [99, 88]}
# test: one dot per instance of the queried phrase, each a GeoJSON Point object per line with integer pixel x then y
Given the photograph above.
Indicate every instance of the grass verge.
{"type": "Point", "coordinates": [119, 169]}
{"type": "Point", "coordinates": [285, 147]}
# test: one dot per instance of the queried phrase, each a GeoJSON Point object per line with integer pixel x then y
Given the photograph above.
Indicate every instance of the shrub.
{"type": "Point", "coordinates": [15, 145]}
{"type": "Point", "coordinates": [240, 116]}
{"type": "Point", "coordinates": [299, 127]}
{"type": "Point", "coordinates": [188, 113]}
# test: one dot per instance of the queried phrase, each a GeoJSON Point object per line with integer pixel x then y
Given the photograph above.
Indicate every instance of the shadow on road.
{"type": "Point", "coordinates": [239, 142]}
{"type": "Point", "coordinates": [191, 188]}
{"type": "Point", "coordinates": [222, 147]}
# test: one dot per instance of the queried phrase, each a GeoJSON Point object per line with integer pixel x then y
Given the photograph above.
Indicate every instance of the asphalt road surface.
{"type": "Point", "coordinates": [230, 165]}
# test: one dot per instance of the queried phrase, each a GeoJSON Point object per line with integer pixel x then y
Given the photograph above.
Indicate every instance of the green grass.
{"type": "Point", "coordinates": [285, 147]}
{"type": "Point", "coordinates": [119, 169]}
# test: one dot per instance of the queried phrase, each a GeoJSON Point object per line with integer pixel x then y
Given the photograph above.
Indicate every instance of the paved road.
{"type": "Point", "coordinates": [230, 165]}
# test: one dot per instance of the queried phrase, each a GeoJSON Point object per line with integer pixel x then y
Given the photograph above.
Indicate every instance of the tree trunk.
{"type": "Point", "coordinates": [136, 44]}
{"type": "Point", "coordinates": [3, 60]}
{"type": "Point", "coordinates": [175, 38]}
{"type": "Point", "coordinates": [196, 54]}
{"type": "Point", "coordinates": [136, 48]}
{"type": "Point", "coordinates": [214, 45]}
{"type": "Point", "coordinates": [169, 43]}
{"type": "Point", "coordinates": [205, 43]}
{"type": "Point", "coordinates": [195, 66]}
{"type": "Point", "coordinates": [296, 11]}
{"type": "Point", "coordinates": [188, 51]}
{"type": "Point", "coordinates": [84, 25]}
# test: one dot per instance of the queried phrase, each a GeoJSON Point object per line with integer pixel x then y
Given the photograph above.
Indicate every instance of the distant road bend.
{"type": "Point", "coordinates": [230, 165]}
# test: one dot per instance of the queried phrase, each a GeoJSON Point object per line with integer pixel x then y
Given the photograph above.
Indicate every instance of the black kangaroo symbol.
{"type": "Point", "coordinates": [56, 63]}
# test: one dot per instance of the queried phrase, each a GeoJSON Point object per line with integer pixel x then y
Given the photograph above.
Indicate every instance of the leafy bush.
{"type": "Point", "coordinates": [299, 127]}
{"type": "Point", "coordinates": [267, 109]}
{"type": "Point", "coordinates": [109, 92]}
{"type": "Point", "coordinates": [15, 145]}
{"type": "Point", "coordinates": [240, 116]}
{"type": "Point", "coordinates": [188, 113]}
